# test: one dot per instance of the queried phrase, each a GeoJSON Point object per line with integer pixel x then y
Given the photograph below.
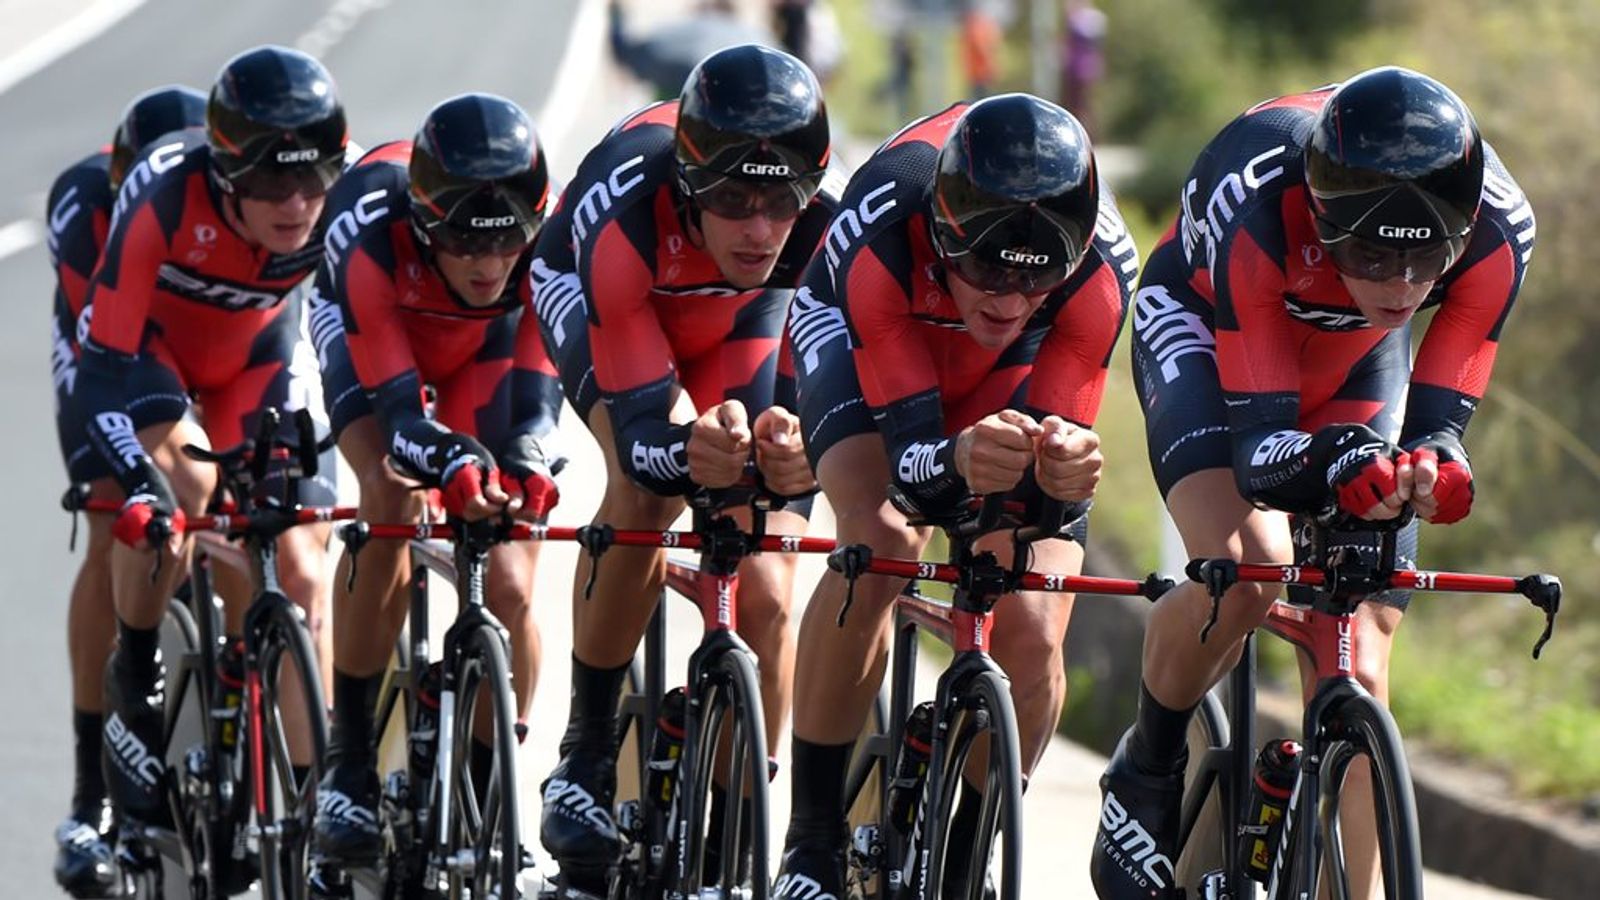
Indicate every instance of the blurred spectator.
{"type": "Point", "coordinates": [793, 31]}
{"type": "Point", "coordinates": [1082, 59]}
{"type": "Point", "coordinates": [825, 40]}
{"type": "Point", "coordinates": [892, 18]}
{"type": "Point", "coordinates": [664, 57]}
{"type": "Point", "coordinates": [980, 48]}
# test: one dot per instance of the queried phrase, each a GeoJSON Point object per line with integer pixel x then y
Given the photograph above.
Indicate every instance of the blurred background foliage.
{"type": "Point", "coordinates": [1176, 72]}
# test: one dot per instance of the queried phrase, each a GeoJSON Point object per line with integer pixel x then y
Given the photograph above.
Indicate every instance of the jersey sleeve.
{"type": "Point", "coordinates": [1069, 376]}
{"type": "Point", "coordinates": [899, 379]}
{"type": "Point", "coordinates": [1458, 352]}
{"type": "Point", "coordinates": [633, 361]}
{"type": "Point", "coordinates": [1258, 361]}
{"type": "Point", "coordinates": [535, 395]}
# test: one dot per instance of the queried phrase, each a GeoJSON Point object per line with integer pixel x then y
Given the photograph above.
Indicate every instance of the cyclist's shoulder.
{"type": "Point", "coordinates": [619, 178]}
{"type": "Point", "coordinates": [163, 176]}
{"type": "Point", "coordinates": [87, 180]}
{"type": "Point", "coordinates": [366, 200]}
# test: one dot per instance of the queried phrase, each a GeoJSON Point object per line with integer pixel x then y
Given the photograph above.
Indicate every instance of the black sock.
{"type": "Point", "coordinates": [139, 651]}
{"type": "Point", "coordinates": [1159, 744]}
{"type": "Point", "coordinates": [89, 783]}
{"type": "Point", "coordinates": [353, 700]}
{"type": "Point", "coordinates": [714, 826]}
{"type": "Point", "coordinates": [592, 720]}
{"type": "Point", "coordinates": [819, 774]}
{"type": "Point", "coordinates": [963, 833]}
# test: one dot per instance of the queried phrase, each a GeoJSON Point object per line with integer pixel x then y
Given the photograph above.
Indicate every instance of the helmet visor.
{"type": "Point", "coordinates": [735, 198]}
{"type": "Point", "coordinates": [275, 185]}
{"type": "Point", "coordinates": [456, 241]}
{"type": "Point", "coordinates": [1366, 260]}
{"type": "Point", "coordinates": [996, 278]}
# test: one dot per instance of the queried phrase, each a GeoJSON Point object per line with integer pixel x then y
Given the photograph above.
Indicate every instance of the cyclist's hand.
{"type": "Point", "coordinates": [1365, 472]}
{"type": "Point", "coordinates": [151, 514]}
{"type": "Point", "coordinates": [1441, 490]}
{"type": "Point", "coordinates": [1067, 460]}
{"type": "Point", "coordinates": [719, 445]}
{"type": "Point", "coordinates": [470, 481]}
{"type": "Point", "coordinates": [533, 491]}
{"type": "Point", "coordinates": [781, 453]}
{"type": "Point", "coordinates": [993, 454]}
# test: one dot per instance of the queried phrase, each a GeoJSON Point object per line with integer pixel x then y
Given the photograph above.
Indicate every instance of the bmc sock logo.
{"type": "Point", "coordinates": [795, 886]}
{"type": "Point", "coordinates": [1132, 846]}
{"type": "Point", "coordinates": [132, 755]}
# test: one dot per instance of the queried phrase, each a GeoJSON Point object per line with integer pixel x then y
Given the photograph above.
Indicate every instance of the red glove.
{"type": "Point", "coordinates": [537, 491]}
{"type": "Point", "coordinates": [1362, 471]}
{"type": "Point", "coordinates": [463, 482]}
{"type": "Point", "coordinates": [142, 511]}
{"type": "Point", "coordinates": [1453, 491]}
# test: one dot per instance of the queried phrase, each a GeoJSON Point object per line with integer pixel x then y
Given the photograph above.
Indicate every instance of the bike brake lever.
{"type": "Point", "coordinates": [1544, 591]}
{"type": "Point", "coordinates": [851, 562]}
{"type": "Point", "coordinates": [596, 539]}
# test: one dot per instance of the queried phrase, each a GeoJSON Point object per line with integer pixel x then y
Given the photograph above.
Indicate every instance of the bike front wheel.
{"type": "Point", "coordinates": [730, 714]}
{"type": "Point", "coordinates": [483, 855]}
{"type": "Point", "coordinates": [1364, 728]}
{"type": "Point", "coordinates": [285, 811]}
{"type": "Point", "coordinates": [959, 872]}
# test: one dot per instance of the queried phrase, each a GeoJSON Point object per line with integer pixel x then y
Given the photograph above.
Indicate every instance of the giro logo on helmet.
{"type": "Point", "coordinates": [1410, 234]}
{"type": "Point", "coordinates": [492, 221]}
{"type": "Point", "coordinates": [1025, 258]}
{"type": "Point", "coordinates": [774, 170]}
{"type": "Point", "coordinates": [309, 154]}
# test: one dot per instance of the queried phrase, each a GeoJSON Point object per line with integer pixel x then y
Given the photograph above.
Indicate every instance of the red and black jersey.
{"type": "Point", "coordinates": [880, 280]}
{"type": "Point", "coordinates": [79, 210]}
{"type": "Point", "coordinates": [620, 242]}
{"type": "Point", "coordinates": [1287, 331]}
{"type": "Point", "coordinates": [174, 269]}
{"type": "Point", "coordinates": [404, 327]}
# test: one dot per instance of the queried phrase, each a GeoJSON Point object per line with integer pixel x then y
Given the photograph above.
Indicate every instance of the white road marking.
{"type": "Point", "coordinates": [580, 65]}
{"type": "Point", "coordinates": [19, 236]}
{"type": "Point", "coordinates": [334, 25]}
{"type": "Point", "coordinates": [63, 39]}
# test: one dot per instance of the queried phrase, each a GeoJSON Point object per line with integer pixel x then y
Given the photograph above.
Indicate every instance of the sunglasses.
{"type": "Point", "coordinates": [1365, 260]}
{"type": "Point", "coordinates": [732, 198]}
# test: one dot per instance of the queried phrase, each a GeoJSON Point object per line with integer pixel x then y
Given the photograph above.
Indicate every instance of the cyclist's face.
{"type": "Point", "coordinates": [993, 320]}
{"type": "Point", "coordinates": [1387, 304]}
{"type": "Point", "coordinates": [479, 280]}
{"type": "Point", "coordinates": [281, 226]}
{"type": "Point", "coordinates": [745, 250]}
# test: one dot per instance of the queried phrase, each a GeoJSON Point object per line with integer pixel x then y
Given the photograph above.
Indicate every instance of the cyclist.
{"type": "Point", "coordinates": [661, 286]}
{"type": "Point", "coordinates": [427, 257]}
{"type": "Point", "coordinates": [951, 339]}
{"type": "Point", "coordinates": [1271, 356]}
{"type": "Point", "coordinates": [80, 213]}
{"type": "Point", "coordinates": [189, 300]}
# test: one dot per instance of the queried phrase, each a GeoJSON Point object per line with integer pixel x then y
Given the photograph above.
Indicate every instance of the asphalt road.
{"type": "Point", "coordinates": [392, 61]}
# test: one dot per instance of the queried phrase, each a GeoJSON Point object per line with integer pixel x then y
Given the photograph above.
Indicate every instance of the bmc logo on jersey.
{"type": "Point", "coordinates": [368, 209]}
{"type": "Point", "coordinates": [492, 221]}
{"type": "Point", "coordinates": [1403, 233]}
{"type": "Point", "coordinates": [771, 170]}
{"type": "Point", "coordinates": [600, 196]}
{"type": "Point", "coordinates": [215, 293]}
{"type": "Point", "coordinates": [847, 225]}
{"type": "Point", "coordinates": [1025, 258]}
{"type": "Point", "coordinates": [309, 154]}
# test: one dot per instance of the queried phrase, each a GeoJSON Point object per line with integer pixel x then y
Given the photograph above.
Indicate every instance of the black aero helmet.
{"type": "Point", "coordinates": [478, 178]}
{"type": "Point", "coordinates": [752, 115]}
{"type": "Point", "coordinates": [1394, 167]}
{"type": "Point", "coordinates": [1015, 195]}
{"type": "Point", "coordinates": [151, 115]}
{"type": "Point", "coordinates": [275, 125]}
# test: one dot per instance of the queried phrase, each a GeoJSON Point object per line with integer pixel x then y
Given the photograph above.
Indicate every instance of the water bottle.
{"type": "Point", "coordinates": [230, 694]}
{"type": "Point", "coordinates": [423, 742]}
{"type": "Point", "coordinates": [911, 768]}
{"type": "Point", "coordinates": [1276, 770]}
{"type": "Point", "coordinates": [666, 748]}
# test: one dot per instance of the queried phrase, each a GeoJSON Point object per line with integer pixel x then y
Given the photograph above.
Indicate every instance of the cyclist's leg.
{"type": "Point", "coordinates": [157, 401]}
{"type": "Point", "coordinates": [576, 826]}
{"type": "Point", "coordinates": [1186, 428]}
{"type": "Point", "coordinates": [838, 669]}
{"type": "Point", "coordinates": [83, 863]}
{"type": "Point", "coordinates": [1371, 394]}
